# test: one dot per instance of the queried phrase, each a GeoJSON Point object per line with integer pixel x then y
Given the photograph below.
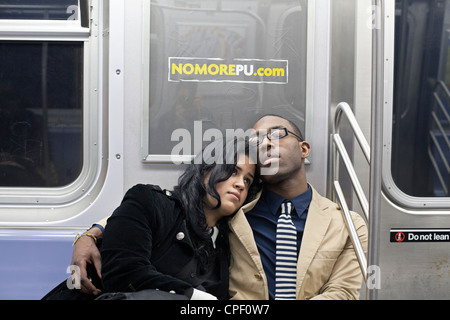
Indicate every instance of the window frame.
{"type": "Point", "coordinates": [57, 197]}
{"type": "Point", "coordinates": [413, 204]}
{"type": "Point", "coordinates": [149, 158]}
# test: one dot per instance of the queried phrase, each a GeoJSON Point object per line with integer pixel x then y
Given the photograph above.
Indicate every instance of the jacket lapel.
{"type": "Point", "coordinates": [241, 228]}
{"type": "Point", "coordinates": [315, 228]}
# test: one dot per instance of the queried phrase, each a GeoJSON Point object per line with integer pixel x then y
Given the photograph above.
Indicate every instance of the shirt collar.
{"type": "Point", "coordinates": [300, 202]}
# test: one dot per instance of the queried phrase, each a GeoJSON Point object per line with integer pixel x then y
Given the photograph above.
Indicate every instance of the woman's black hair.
{"type": "Point", "coordinates": [219, 159]}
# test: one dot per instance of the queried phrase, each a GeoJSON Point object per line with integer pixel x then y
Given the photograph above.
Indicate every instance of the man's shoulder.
{"type": "Point", "coordinates": [332, 208]}
{"type": "Point", "coordinates": [321, 202]}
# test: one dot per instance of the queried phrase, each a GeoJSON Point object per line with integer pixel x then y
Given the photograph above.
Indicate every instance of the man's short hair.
{"type": "Point", "coordinates": [294, 128]}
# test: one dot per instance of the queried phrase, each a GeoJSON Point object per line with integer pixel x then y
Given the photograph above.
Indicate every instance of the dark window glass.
{"type": "Point", "coordinates": [421, 127]}
{"type": "Point", "coordinates": [41, 113]}
{"type": "Point", "coordinates": [39, 9]}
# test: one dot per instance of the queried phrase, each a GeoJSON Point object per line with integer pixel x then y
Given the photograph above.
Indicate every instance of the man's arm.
{"type": "Point", "coordinates": [85, 252]}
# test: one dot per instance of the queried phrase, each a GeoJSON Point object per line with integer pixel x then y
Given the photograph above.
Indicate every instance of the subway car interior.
{"type": "Point", "coordinates": [97, 96]}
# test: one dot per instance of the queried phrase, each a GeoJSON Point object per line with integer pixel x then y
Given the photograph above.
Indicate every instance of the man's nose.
{"type": "Point", "coordinates": [265, 145]}
{"type": "Point", "coordinates": [265, 141]}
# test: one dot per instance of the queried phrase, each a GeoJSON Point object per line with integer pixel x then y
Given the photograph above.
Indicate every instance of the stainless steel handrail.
{"type": "Point", "coordinates": [344, 108]}
{"type": "Point", "coordinates": [339, 149]}
{"type": "Point", "coordinates": [352, 175]}
{"type": "Point", "coordinates": [362, 260]}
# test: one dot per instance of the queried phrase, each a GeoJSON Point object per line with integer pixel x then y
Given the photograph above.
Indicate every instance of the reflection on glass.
{"type": "Point", "coordinates": [421, 128]}
{"type": "Point", "coordinates": [222, 64]}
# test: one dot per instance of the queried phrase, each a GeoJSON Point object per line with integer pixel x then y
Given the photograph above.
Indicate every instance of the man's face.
{"type": "Point", "coordinates": [283, 158]}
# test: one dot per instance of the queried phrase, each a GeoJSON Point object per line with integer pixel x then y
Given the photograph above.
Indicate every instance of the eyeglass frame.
{"type": "Point", "coordinates": [269, 136]}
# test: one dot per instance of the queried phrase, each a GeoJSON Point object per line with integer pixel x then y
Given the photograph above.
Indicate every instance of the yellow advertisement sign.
{"type": "Point", "coordinates": [231, 70]}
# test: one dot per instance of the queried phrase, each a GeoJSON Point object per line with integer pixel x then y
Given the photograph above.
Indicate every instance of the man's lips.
{"type": "Point", "coordinates": [268, 159]}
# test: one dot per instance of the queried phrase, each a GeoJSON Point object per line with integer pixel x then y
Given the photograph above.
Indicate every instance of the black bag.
{"type": "Point", "coordinates": [148, 294]}
{"type": "Point", "coordinates": [63, 292]}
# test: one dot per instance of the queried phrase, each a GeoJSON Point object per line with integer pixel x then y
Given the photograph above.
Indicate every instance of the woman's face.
{"type": "Point", "coordinates": [232, 191]}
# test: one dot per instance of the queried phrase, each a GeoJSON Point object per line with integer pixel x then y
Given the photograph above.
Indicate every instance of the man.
{"type": "Point", "coordinates": [325, 265]}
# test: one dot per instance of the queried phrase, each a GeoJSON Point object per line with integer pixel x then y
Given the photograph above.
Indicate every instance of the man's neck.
{"type": "Point", "coordinates": [289, 189]}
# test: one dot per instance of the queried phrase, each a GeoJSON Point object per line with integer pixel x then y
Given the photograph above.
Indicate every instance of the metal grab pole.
{"type": "Point", "coordinates": [376, 141]}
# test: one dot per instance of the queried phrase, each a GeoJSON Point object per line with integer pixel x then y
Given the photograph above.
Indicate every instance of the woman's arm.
{"type": "Point", "coordinates": [128, 245]}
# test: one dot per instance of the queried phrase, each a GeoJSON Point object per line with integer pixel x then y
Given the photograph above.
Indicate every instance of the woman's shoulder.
{"type": "Point", "coordinates": [140, 187]}
{"type": "Point", "coordinates": [148, 192]}
{"type": "Point", "coordinates": [150, 203]}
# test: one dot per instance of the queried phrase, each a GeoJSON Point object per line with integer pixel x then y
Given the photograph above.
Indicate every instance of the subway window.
{"type": "Point", "coordinates": [39, 9]}
{"type": "Point", "coordinates": [421, 103]}
{"type": "Point", "coordinates": [43, 48]}
{"type": "Point", "coordinates": [219, 65]}
{"type": "Point", "coordinates": [41, 113]}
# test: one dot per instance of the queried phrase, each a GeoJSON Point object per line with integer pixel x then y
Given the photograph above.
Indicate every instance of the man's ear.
{"type": "Point", "coordinates": [305, 149]}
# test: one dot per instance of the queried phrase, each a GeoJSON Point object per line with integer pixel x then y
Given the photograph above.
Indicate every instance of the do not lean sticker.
{"type": "Point", "coordinates": [419, 235]}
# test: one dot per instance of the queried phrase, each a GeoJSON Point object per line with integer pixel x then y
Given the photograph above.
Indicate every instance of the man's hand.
{"type": "Point", "coordinates": [86, 252]}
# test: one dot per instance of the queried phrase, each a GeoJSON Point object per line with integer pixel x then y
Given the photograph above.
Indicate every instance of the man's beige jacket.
{"type": "Point", "coordinates": [327, 266]}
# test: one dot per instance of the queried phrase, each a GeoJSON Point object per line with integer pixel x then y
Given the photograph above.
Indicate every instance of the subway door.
{"type": "Point", "coordinates": [414, 235]}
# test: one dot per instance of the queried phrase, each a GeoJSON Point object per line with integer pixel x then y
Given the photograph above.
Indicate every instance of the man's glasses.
{"type": "Point", "coordinates": [274, 134]}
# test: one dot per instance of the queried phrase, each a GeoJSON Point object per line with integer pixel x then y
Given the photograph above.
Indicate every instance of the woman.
{"type": "Point", "coordinates": [177, 241]}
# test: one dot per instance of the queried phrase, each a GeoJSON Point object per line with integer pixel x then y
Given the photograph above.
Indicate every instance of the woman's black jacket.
{"type": "Point", "coordinates": [147, 245]}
